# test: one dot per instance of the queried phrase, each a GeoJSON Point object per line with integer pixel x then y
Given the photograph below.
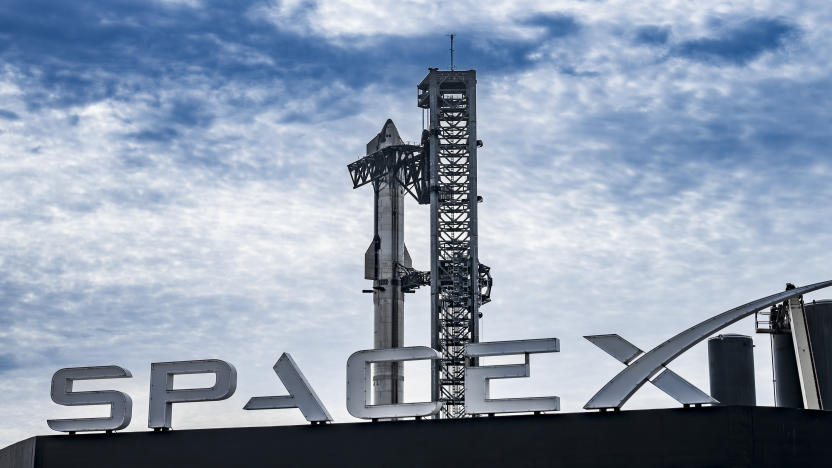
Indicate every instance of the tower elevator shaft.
{"type": "Point", "coordinates": [450, 98]}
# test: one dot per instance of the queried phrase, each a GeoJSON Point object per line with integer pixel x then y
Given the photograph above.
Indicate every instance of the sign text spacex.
{"type": "Point", "coordinates": [163, 395]}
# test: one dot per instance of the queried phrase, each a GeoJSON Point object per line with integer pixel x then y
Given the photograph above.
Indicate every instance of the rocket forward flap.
{"type": "Point", "coordinates": [408, 262]}
{"type": "Point", "coordinates": [370, 261]}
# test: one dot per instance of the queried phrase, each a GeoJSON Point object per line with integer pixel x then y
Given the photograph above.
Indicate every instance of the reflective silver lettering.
{"type": "Point", "coordinates": [163, 395]}
{"type": "Point", "coordinates": [477, 378]}
{"type": "Point", "coordinates": [359, 386]}
{"type": "Point", "coordinates": [300, 395]}
{"type": "Point", "coordinates": [121, 407]}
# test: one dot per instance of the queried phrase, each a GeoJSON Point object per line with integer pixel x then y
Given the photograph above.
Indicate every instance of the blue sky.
{"type": "Point", "coordinates": [174, 185]}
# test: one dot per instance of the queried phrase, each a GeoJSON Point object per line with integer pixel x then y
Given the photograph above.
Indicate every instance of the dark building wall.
{"type": "Point", "coordinates": [692, 437]}
{"type": "Point", "coordinates": [21, 454]}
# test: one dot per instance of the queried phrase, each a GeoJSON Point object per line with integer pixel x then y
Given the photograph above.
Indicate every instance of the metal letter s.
{"type": "Point", "coordinates": [121, 407]}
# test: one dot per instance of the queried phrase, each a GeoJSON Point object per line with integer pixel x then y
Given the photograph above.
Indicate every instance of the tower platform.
{"type": "Point", "coordinates": [691, 437]}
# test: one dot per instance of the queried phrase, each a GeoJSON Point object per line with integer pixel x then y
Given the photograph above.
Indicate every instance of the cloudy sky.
{"type": "Point", "coordinates": [173, 183]}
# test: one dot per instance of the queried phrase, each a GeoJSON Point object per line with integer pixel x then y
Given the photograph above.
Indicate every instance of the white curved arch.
{"type": "Point", "coordinates": [618, 390]}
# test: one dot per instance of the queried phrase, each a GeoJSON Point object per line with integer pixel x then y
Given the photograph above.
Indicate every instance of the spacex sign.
{"type": "Point", "coordinates": [641, 367]}
{"type": "Point", "coordinates": [301, 395]}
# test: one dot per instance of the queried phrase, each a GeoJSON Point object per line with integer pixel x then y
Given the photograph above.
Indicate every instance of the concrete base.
{"type": "Point", "coordinates": [693, 437]}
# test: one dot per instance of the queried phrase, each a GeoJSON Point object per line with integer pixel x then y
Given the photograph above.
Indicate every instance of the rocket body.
{"type": "Point", "coordinates": [386, 252]}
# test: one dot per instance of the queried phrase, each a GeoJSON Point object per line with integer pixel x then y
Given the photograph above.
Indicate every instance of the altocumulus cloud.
{"type": "Point", "coordinates": [652, 35]}
{"type": "Point", "coordinates": [739, 43]}
{"type": "Point", "coordinates": [8, 115]}
{"type": "Point", "coordinates": [174, 184]}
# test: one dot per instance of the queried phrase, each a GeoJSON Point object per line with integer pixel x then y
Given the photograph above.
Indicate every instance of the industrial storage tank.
{"type": "Point", "coordinates": [731, 369]}
{"type": "Point", "coordinates": [786, 381]}
{"type": "Point", "coordinates": [819, 320]}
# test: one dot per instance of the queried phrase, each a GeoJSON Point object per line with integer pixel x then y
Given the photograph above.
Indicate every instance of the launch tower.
{"type": "Point", "coordinates": [455, 286]}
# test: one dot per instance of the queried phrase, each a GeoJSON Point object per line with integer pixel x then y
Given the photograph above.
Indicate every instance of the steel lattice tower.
{"type": "Point", "coordinates": [450, 97]}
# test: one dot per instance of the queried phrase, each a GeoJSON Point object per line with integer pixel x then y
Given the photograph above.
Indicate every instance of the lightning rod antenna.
{"type": "Point", "coordinates": [452, 35]}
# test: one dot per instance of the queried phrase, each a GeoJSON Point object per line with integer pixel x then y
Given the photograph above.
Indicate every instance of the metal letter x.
{"type": "Point", "coordinates": [667, 381]}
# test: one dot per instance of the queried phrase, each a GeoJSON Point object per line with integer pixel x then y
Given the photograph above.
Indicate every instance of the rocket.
{"type": "Point", "coordinates": [381, 265]}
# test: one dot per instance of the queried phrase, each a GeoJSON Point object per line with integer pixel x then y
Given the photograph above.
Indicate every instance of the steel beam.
{"type": "Point", "coordinates": [803, 354]}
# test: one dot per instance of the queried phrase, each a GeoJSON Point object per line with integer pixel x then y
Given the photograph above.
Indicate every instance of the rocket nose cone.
{"type": "Point", "coordinates": [388, 136]}
{"type": "Point", "coordinates": [391, 133]}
